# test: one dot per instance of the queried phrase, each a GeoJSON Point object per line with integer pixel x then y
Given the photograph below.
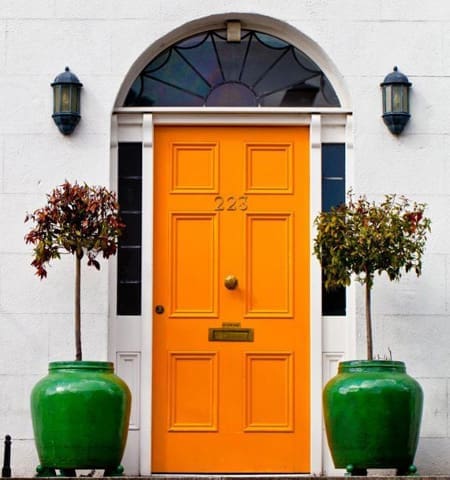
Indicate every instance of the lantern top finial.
{"type": "Point", "coordinates": [396, 77]}
{"type": "Point", "coordinates": [67, 77]}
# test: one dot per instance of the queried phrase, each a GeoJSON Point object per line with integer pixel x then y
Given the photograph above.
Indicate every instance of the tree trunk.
{"type": "Point", "coordinates": [77, 313]}
{"type": "Point", "coordinates": [369, 320]}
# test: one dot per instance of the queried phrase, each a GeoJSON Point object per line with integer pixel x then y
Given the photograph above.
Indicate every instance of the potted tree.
{"type": "Point", "coordinates": [372, 408]}
{"type": "Point", "coordinates": [81, 409]}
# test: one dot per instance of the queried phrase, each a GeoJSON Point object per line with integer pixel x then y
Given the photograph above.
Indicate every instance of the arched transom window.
{"type": "Point", "coordinates": [254, 69]}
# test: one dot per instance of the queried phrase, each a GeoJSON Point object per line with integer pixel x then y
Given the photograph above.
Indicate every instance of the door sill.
{"type": "Point", "coordinates": [216, 476]}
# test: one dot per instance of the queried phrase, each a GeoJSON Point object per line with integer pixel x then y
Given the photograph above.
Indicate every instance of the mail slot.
{"type": "Point", "coordinates": [231, 334]}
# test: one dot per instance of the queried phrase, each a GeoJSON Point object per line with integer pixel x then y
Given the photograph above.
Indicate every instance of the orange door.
{"type": "Point", "coordinates": [231, 289]}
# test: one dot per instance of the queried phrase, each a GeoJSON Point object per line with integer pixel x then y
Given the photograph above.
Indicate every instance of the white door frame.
{"type": "Point", "coordinates": [130, 337]}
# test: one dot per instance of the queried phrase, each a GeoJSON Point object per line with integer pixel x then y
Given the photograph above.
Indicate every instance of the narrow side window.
{"type": "Point", "coordinates": [333, 193]}
{"type": "Point", "coordinates": [130, 244]}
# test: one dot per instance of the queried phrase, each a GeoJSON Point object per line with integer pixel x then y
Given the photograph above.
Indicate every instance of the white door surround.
{"type": "Point", "coordinates": [332, 338]}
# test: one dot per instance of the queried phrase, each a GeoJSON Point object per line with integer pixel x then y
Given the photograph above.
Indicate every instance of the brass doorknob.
{"type": "Point", "coordinates": [230, 282]}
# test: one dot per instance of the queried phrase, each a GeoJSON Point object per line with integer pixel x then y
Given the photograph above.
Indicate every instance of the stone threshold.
{"type": "Point", "coordinates": [250, 477]}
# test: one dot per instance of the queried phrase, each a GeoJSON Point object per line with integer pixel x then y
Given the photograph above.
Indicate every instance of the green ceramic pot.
{"type": "Point", "coordinates": [80, 414]}
{"type": "Point", "coordinates": [372, 412]}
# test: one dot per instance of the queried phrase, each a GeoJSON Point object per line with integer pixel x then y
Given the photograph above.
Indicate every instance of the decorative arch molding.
{"type": "Point", "coordinates": [256, 22]}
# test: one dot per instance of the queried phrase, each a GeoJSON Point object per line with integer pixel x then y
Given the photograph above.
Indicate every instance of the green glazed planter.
{"type": "Point", "coordinates": [80, 414]}
{"type": "Point", "coordinates": [372, 412]}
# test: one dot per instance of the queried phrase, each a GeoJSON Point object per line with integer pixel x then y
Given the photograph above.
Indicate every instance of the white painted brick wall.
{"type": "Point", "coordinates": [100, 40]}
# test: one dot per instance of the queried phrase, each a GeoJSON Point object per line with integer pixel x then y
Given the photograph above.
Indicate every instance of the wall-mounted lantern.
{"type": "Point", "coordinates": [395, 88]}
{"type": "Point", "coordinates": [66, 101]}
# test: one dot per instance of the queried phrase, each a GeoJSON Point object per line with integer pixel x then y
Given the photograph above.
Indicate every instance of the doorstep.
{"type": "Point", "coordinates": [250, 477]}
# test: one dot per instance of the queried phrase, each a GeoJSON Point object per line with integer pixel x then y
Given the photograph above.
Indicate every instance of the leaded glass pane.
{"type": "Point", "coordinates": [270, 41]}
{"type": "Point", "coordinates": [177, 72]}
{"type": "Point", "coordinates": [147, 92]}
{"type": "Point", "coordinates": [261, 59]}
{"type": "Point", "coordinates": [202, 56]}
{"type": "Point", "coordinates": [287, 73]}
{"type": "Point", "coordinates": [205, 69]}
{"type": "Point", "coordinates": [327, 96]}
{"type": "Point", "coordinates": [231, 55]}
{"type": "Point", "coordinates": [231, 94]}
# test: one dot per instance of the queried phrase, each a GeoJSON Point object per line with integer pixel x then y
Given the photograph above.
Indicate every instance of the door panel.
{"type": "Point", "coordinates": [193, 392]}
{"type": "Point", "coordinates": [269, 277]}
{"type": "Point", "coordinates": [194, 254]}
{"type": "Point", "coordinates": [231, 201]}
{"type": "Point", "coordinates": [269, 392]}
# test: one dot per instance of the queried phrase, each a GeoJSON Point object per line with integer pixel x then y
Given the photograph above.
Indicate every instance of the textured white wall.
{"type": "Point", "coordinates": [100, 40]}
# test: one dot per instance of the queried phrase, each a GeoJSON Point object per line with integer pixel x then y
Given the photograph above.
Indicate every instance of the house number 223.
{"type": "Point", "coordinates": [231, 203]}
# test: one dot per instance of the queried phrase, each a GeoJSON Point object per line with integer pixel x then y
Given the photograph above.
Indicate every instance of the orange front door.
{"type": "Point", "coordinates": [231, 386]}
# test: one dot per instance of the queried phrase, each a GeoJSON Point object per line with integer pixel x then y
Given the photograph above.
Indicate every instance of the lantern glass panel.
{"type": "Point", "coordinates": [397, 98]}
{"type": "Point", "coordinates": [56, 98]}
{"type": "Point", "coordinates": [75, 102]}
{"type": "Point", "coordinates": [405, 99]}
{"type": "Point", "coordinates": [65, 98]}
{"type": "Point", "coordinates": [387, 92]}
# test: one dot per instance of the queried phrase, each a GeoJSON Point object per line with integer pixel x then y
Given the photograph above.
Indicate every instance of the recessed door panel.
{"type": "Point", "coordinates": [194, 254]}
{"type": "Point", "coordinates": [269, 403]}
{"type": "Point", "coordinates": [192, 392]}
{"type": "Point", "coordinates": [231, 384]}
{"type": "Point", "coordinates": [194, 168]}
{"type": "Point", "coordinates": [269, 277]}
{"type": "Point", "coordinates": [269, 168]}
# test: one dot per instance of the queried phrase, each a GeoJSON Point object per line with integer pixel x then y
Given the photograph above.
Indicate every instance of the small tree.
{"type": "Point", "coordinates": [81, 220]}
{"type": "Point", "coordinates": [362, 237]}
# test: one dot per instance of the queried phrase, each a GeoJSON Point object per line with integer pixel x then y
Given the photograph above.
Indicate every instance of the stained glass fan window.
{"type": "Point", "coordinates": [207, 70]}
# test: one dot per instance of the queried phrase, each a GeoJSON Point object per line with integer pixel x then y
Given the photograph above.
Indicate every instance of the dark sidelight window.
{"type": "Point", "coordinates": [130, 244]}
{"type": "Point", "coordinates": [333, 194]}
